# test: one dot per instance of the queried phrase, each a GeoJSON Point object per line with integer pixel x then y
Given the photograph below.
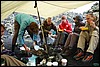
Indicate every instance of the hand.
{"type": "Point", "coordinates": [54, 36]}
{"type": "Point", "coordinates": [92, 24]}
{"type": "Point", "coordinates": [64, 29]}
{"type": "Point", "coordinates": [26, 48]}
{"type": "Point", "coordinates": [50, 33]}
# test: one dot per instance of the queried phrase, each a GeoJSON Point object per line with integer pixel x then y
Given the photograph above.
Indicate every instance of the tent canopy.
{"type": "Point", "coordinates": [46, 8]}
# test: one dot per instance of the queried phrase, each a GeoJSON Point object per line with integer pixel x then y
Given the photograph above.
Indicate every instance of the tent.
{"type": "Point", "coordinates": [46, 8]}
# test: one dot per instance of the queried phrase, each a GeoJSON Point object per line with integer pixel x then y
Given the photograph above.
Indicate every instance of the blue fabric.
{"type": "Point", "coordinates": [32, 61]}
{"type": "Point", "coordinates": [35, 36]}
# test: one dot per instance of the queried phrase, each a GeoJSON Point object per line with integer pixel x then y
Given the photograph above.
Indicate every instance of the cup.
{"type": "Point", "coordinates": [64, 62]}
{"type": "Point", "coordinates": [55, 63]}
{"type": "Point", "coordinates": [49, 63]}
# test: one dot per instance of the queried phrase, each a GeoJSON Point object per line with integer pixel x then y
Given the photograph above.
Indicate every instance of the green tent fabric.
{"type": "Point", "coordinates": [11, 61]}
{"type": "Point", "coordinates": [46, 8]}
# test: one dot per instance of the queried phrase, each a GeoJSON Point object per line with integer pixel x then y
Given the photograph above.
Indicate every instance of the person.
{"type": "Point", "coordinates": [2, 33]}
{"type": "Point", "coordinates": [7, 60]}
{"type": "Point", "coordinates": [90, 36]}
{"type": "Point", "coordinates": [72, 39]}
{"type": "Point", "coordinates": [47, 26]}
{"type": "Point", "coordinates": [24, 22]}
{"type": "Point", "coordinates": [64, 28]}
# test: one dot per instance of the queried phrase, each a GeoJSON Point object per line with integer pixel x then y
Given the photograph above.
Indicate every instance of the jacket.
{"type": "Point", "coordinates": [66, 26]}
{"type": "Point", "coordinates": [24, 20]}
{"type": "Point", "coordinates": [77, 25]}
{"type": "Point", "coordinates": [47, 27]}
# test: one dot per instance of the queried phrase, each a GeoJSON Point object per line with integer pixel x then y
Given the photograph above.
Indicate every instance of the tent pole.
{"type": "Point", "coordinates": [44, 41]}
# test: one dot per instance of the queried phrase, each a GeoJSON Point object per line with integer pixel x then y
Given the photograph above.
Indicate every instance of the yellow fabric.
{"type": "Point", "coordinates": [46, 8]}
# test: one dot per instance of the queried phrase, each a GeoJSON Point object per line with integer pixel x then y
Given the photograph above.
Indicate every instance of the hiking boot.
{"type": "Point", "coordinates": [88, 57]}
{"type": "Point", "coordinates": [79, 55]}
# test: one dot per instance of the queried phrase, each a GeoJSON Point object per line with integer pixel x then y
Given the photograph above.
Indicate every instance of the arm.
{"type": "Point", "coordinates": [54, 28]}
{"type": "Point", "coordinates": [20, 35]}
{"type": "Point", "coordinates": [44, 27]}
{"type": "Point", "coordinates": [69, 29]}
{"type": "Point", "coordinates": [60, 26]}
{"type": "Point", "coordinates": [77, 27]}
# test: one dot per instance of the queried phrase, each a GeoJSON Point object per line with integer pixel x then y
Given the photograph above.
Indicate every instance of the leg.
{"type": "Point", "coordinates": [82, 39]}
{"type": "Point", "coordinates": [41, 37]}
{"type": "Point", "coordinates": [92, 46]}
{"type": "Point", "coordinates": [63, 37]}
{"type": "Point", "coordinates": [93, 42]}
{"type": "Point", "coordinates": [71, 47]}
{"type": "Point", "coordinates": [31, 34]}
{"type": "Point", "coordinates": [16, 28]}
{"type": "Point", "coordinates": [67, 42]}
{"type": "Point", "coordinates": [84, 36]}
{"type": "Point", "coordinates": [73, 40]}
{"type": "Point", "coordinates": [57, 39]}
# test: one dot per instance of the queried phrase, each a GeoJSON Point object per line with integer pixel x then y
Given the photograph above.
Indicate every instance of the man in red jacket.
{"type": "Point", "coordinates": [65, 25]}
{"type": "Point", "coordinates": [64, 29]}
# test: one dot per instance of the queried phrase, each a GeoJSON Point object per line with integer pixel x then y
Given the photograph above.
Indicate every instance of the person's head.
{"type": "Point", "coordinates": [63, 17]}
{"type": "Point", "coordinates": [78, 19]}
{"type": "Point", "coordinates": [34, 28]}
{"type": "Point", "coordinates": [49, 20]}
{"type": "Point", "coordinates": [2, 29]}
{"type": "Point", "coordinates": [90, 17]}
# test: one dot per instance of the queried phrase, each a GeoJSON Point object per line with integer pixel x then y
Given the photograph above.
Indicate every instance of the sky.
{"type": "Point", "coordinates": [83, 8]}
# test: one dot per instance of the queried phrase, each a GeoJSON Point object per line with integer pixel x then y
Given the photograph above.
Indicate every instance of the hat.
{"type": "Point", "coordinates": [78, 18]}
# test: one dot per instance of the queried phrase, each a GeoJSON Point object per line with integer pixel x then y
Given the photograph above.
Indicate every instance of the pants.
{"type": "Point", "coordinates": [72, 40]}
{"type": "Point", "coordinates": [16, 31]}
{"type": "Point", "coordinates": [61, 38]}
{"type": "Point", "coordinates": [11, 61]}
{"type": "Point", "coordinates": [92, 39]}
{"type": "Point", "coordinates": [45, 36]}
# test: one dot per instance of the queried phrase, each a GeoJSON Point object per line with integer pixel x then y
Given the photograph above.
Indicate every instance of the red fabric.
{"type": "Point", "coordinates": [66, 26]}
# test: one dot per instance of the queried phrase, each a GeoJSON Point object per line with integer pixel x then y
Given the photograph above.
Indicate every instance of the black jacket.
{"type": "Point", "coordinates": [77, 25]}
{"type": "Point", "coordinates": [47, 27]}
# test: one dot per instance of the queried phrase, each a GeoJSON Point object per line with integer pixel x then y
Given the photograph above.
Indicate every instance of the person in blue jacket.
{"type": "Point", "coordinates": [24, 22]}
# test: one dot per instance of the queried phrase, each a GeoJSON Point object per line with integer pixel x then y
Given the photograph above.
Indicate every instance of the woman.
{"type": "Point", "coordinates": [24, 22]}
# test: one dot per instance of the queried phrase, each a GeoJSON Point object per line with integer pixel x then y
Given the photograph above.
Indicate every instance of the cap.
{"type": "Point", "coordinates": [78, 18]}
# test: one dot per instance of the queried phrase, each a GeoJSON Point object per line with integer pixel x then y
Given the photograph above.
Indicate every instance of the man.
{"type": "Point", "coordinates": [7, 60]}
{"type": "Point", "coordinates": [24, 22]}
{"type": "Point", "coordinates": [71, 41]}
{"type": "Point", "coordinates": [64, 29]}
{"type": "Point", "coordinates": [91, 36]}
{"type": "Point", "coordinates": [47, 26]}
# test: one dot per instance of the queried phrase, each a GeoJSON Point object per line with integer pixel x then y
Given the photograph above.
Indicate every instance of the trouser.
{"type": "Point", "coordinates": [91, 39]}
{"type": "Point", "coordinates": [61, 38]}
{"type": "Point", "coordinates": [16, 31]}
{"type": "Point", "coordinates": [45, 36]}
{"type": "Point", "coordinates": [11, 61]}
{"type": "Point", "coordinates": [71, 41]}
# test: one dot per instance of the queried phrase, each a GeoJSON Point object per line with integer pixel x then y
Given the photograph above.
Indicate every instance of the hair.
{"type": "Point", "coordinates": [34, 27]}
{"type": "Point", "coordinates": [94, 17]}
{"type": "Point", "coordinates": [2, 26]}
{"type": "Point", "coordinates": [63, 17]}
{"type": "Point", "coordinates": [49, 18]}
